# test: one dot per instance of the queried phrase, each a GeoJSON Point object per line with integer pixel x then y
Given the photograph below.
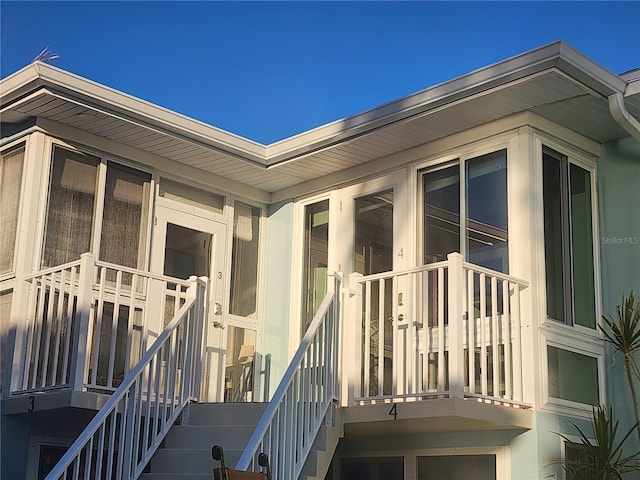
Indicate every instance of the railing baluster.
{"type": "Point", "coordinates": [506, 341]}
{"type": "Point", "coordinates": [58, 329]}
{"type": "Point", "coordinates": [128, 429]}
{"type": "Point", "coordinates": [517, 351]}
{"type": "Point", "coordinates": [34, 354]}
{"type": "Point", "coordinates": [471, 322]}
{"type": "Point", "coordinates": [495, 344]}
{"type": "Point", "coordinates": [441, 332]}
{"type": "Point", "coordinates": [483, 334]}
{"type": "Point", "coordinates": [367, 340]}
{"type": "Point", "coordinates": [96, 332]}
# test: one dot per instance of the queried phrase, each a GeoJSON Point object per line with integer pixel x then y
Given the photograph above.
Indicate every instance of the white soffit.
{"type": "Point", "coordinates": [554, 81]}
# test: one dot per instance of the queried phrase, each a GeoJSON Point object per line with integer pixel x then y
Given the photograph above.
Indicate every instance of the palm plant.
{"type": "Point", "coordinates": [623, 333]}
{"type": "Point", "coordinates": [601, 460]}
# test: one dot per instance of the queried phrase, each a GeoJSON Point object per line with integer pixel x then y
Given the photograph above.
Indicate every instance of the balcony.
{"type": "Point", "coordinates": [84, 326]}
{"type": "Point", "coordinates": [446, 330]}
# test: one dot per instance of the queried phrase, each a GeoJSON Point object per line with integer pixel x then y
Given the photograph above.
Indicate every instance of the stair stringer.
{"type": "Point", "coordinates": [323, 448]}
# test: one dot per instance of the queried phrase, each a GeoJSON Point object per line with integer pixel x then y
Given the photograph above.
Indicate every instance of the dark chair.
{"type": "Point", "coordinates": [224, 473]}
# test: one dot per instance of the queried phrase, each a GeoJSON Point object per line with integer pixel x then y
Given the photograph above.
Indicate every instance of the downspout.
{"type": "Point", "coordinates": [621, 115]}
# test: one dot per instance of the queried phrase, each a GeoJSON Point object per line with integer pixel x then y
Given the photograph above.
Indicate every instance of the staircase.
{"type": "Point", "coordinates": [186, 450]}
{"type": "Point", "coordinates": [323, 448]}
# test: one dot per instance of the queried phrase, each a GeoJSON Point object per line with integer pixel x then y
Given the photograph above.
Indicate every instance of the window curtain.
{"type": "Point", "coordinates": [123, 237]}
{"type": "Point", "coordinates": [71, 202]}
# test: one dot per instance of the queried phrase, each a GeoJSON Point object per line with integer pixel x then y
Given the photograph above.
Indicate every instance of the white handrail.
{"type": "Point", "coordinates": [127, 430]}
{"type": "Point", "coordinates": [302, 400]}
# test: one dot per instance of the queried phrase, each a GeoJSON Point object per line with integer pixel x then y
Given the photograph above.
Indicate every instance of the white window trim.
{"type": "Point", "coordinates": [502, 453]}
{"type": "Point", "coordinates": [33, 455]}
{"type": "Point", "coordinates": [503, 457]}
{"type": "Point", "coordinates": [47, 164]}
{"type": "Point", "coordinates": [23, 142]}
{"type": "Point", "coordinates": [588, 163]}
{"type": "Point", "coordinates": [593, 350]}
{"type": "Point", "coordinates": [460, 155]}
{"type": "Point", "coordinates": [297, 264]}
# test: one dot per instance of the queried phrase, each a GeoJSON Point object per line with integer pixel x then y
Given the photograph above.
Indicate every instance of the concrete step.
{"type": "Point", "coordinates": [204, 436]}
{"type": "Point", "coordinates": [175, 476]}
{"type": "Point", "coordinates": [224, 413]}
{"type": "Point", "coordinates": [186, 450]}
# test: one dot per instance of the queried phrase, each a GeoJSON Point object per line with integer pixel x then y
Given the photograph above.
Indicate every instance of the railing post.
{"type": "Point", "coordinates": [81, 350]}
{"type": "Point", "coordinates": [199, 290]}
{"type": "Point", "coordinates": [455, 286]}
{"type": "Point", "coordinates": [20, 322]}
{"type": "Point", "coordinates": [352, 342]}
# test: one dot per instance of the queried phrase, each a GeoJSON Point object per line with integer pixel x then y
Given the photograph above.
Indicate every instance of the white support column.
{"type": "Point", "coordinates": [456, 318]}
{"type": "Point", "coordinates": [351, 342]}
{"type": "Point", "coordinates": [81, 350]}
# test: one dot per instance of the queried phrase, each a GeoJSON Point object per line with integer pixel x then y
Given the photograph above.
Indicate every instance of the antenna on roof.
{"type": "Point", "coordinates": [46, 56]}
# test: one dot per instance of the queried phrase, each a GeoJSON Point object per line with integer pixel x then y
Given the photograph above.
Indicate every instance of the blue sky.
{"type": "Point", "coordinates": [268, 70]}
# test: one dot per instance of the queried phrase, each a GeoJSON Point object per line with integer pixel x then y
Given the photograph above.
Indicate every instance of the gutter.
{"type": "Point", "coordinates": [621, 115]}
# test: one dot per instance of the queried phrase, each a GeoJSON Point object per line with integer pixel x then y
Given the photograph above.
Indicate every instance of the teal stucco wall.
{"type": "Point", "coordinates": [619, 202]}
{"type": "Point", "coordinates": [277, 289]}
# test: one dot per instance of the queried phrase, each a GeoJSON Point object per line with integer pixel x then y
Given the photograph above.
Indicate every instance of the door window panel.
{"type": "Point", "coordinates": [187, 252]}
{"type": "Point", "coordinates": [244, 260]}
{"type": "Point", "coordinates": [442, 213]}
{"type": "Point", "coordinates": [71, 205]}
{"type": "Point", "coordinates": [374, 254]}
{"type": "Point", "coordinates": [239, 365]}
{"type": "Point", "coordinates": [11, 164]}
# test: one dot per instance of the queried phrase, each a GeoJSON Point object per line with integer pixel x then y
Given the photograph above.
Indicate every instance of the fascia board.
{"type": "Point", "coordinates": [15, 85]}
{"type": "Point", "coordinates": [588, 72]}
{"type": "Point", "coordinates": [89, 93]}
{"type": "Point", "coordinates": [558, 54]}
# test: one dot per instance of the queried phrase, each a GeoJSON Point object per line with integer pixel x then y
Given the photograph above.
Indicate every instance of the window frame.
{"type": "Point", "coordinates": [98, 208]}
{"type": "Point", "coordinates": [460, 158]}
{"type": "Point", "coordinates": [7, 148]}
{"type": "Point", "coordinates": [586, 162]}
{"type": "Point", "coordinates": [593, 350]}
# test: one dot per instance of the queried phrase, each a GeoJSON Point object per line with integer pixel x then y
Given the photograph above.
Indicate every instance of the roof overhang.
{"type": "Point", "coordinates": [555, 82]}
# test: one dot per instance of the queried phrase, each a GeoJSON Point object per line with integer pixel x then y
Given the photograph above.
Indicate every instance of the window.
{"type": "Point", "coordinates": [191, 195]}
{"type": "Point", "coordinates": [244, 260]}
{"type": "Point", "coordinates": [76, 191]}
{"type": "Point", "coordinates": [11, 163]}
{"type": "Point", "coordinates": [484, 230]}
{"type": "Point", "coordinates": [457, 467]}
{"type": "Point", "coordinates": [316, 259]}
{"type": "Point", "coordinates": [572, 376]}
{"type": "Point", "coordinates": [568, 241]}
{"type": "Point", "coordinates": [372, 468]}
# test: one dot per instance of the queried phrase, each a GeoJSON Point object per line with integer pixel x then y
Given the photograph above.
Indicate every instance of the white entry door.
{"type": "Point", "coordinates": [186, 244]}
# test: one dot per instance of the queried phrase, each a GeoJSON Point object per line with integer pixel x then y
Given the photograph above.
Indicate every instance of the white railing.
{"type": "Point", "coordinates": [303, 398]}
{"type": "Point", "coordinates": [447, 329]}
{"type": "Point", "coordinates": [87, 323]}
{"type": "Point", "coordinates": [125, 433]}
